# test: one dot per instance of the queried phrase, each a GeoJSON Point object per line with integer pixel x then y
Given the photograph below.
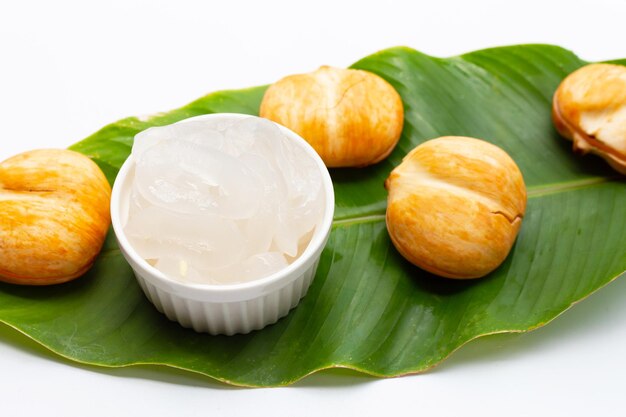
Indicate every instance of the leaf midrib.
{"type": "Point", "coordinates": [533, 192]}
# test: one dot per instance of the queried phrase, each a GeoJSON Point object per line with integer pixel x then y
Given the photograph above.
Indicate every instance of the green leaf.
{"type": "Point", "coordinates": [368, 309]}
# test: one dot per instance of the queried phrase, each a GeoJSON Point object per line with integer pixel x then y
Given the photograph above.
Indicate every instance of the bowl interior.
{"type": "Point", "coordinates": [119, 215]}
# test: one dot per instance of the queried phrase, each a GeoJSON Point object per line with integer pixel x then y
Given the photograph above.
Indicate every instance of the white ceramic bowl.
{"type": "Point", "coordinates": [234, 308]}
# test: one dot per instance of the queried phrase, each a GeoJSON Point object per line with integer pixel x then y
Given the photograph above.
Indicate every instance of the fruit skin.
{"type": "Point", "coordinates": [455, 206]}
{"type": "Point", "coordinates": [54, 216]}
{"type": "Point", "coordinates": [352, 118]}
{"type": "Point", "coordinates": [589, 108]}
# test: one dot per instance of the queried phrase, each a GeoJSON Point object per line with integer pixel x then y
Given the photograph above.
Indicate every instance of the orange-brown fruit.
{"type": "Point", "coordinates": [352, 118]}
{"type": "Point", "coordinates": [54, 216]}
{"type": "Point", "coordinates": [455, 206]}
{"type": "Point", "coordinates": [589, 108]}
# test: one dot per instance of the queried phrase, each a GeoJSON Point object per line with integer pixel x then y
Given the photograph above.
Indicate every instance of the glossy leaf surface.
{"type": "Point", "coordinates": [368, 309]}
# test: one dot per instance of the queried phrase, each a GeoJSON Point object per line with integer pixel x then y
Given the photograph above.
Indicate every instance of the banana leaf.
{"type": "Point", "coordinates": [368, 309]}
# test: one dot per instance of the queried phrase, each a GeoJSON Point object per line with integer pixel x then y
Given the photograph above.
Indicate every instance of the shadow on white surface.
{"type": "Point", "coordinates": [602, 312]}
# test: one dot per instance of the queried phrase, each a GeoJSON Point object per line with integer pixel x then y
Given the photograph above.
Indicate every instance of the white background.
{"type": "Point", "coordinates": [68, 68]}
